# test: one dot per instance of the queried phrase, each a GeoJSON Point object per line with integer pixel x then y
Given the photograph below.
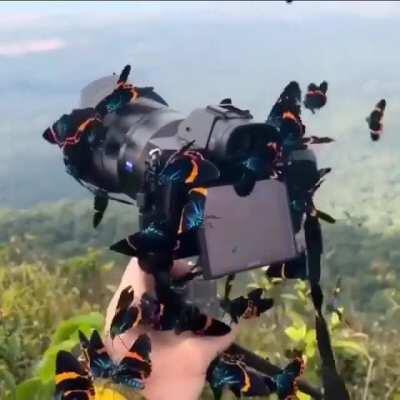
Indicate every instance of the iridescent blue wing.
{"type": "Point", "coordinates": [193, 211]}
{"type": "Point", "coordinates": [136, 364]}
{"type": "Point", "coordinates": [286, 380]}
{"type": "Point", "coordinates": [100, 363]}
{"type": "Point", "coordinates": [126, 315]}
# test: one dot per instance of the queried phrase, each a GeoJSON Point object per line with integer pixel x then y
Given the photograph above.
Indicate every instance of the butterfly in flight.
{"type": "Point", "coordinates": [375, 120]}
{"type": "Point", "coordinates": [315, 97]}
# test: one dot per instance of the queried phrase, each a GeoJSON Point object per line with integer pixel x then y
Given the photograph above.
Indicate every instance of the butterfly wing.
{"type": "Point", "coordinates": [136, 364]}
{"type": "Point", "coordinates": [123, 77]}
{"type": "Point", "coordinates": [323, 87]}
{"type": "Point", "coordinates": [100, 206]}
{"type": "Point", "coordinates": [286, 380]}
{"type": "Point", "coordinates": [72, 381]}
{"type": "Point", "coordinates": [100, 363]}
{"type": "Point", "coordinates": [193, 211]}
{"type": "Point", "coordinates": [238, 307]}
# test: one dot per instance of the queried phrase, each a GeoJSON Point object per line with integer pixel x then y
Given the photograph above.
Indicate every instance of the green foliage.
{"type": "Point", "coordinates": [35, 300]}
{"type": "Point", "coordinates": [53, 282]}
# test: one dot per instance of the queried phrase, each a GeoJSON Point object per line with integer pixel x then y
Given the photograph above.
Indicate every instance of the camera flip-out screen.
{"type": "Point", "coordinates": [241, 233]}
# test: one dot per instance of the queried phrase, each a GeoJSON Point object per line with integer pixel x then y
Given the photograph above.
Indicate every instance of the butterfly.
{"type": "Point", "coordinates": [230, 372]}
{"type": "Point", "coordinates": [127, 315]}
{"type": "Point", "coordinates": [375, 120]}
{"type": "Point", "coordinates": [100, 206]}
{"type": "Point", "coordinates": [123, 94]}
{"type": "Point", "coordinates": [192, 216]}
{"type": "Point", "coordinates": [248, 307]}
{"type": "Point", "coordinates": [192, 319]}
{"type": "Point", "coordinates": [286, 381]}
{"type": "Point", "coordinates": [154, 237]}
{"type": "Point", "coordinates": [186, 317]}
{"type": "Point", "coordinates": [292, 269]}
{"type": "Point", "coordinates": [72, 381]}
{"type": "Point", "coordinates": [131, 371]}
{"type": "Point", "coordinates": [188, 167]}
{"type": "Point", "coordinates": [315, 97]}
{"type": "Point", "coordinates": [70, 128]}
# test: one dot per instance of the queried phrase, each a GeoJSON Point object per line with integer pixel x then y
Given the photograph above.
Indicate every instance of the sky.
{"type": "Point", "coordinates": [196, 53]}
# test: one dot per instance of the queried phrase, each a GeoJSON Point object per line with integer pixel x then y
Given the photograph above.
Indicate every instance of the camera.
{"type": "Point", "coordinates": [246, 217]}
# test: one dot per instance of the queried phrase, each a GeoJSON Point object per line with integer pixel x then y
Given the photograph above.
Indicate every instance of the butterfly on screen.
{"type": "Point", "coordinates": [375, 120]}
{"type": "Point", "coordinates": [131, 371]}
{"type": "Point", "coordinates": [127, 314]}
{"type": "Point", "coordinates": [315, 97]}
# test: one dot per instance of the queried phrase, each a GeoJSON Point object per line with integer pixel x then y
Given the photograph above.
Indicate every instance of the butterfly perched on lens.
{"type": "Point", "coordinates": [131, 371]}
{"type": "Point", "coordinates": [375, 120]}
{"type": "Point", "coordinates": [123, 94]}
{"type": "Point", "coordinates": [315, 97]}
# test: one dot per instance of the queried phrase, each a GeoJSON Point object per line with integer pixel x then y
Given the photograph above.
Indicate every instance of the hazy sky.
{"type": "Point", "coordinates": [195, 53]}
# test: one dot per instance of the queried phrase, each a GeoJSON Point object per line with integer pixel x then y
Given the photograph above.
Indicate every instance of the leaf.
{"type": "Point", "coordinates": [296, 334]}
{"type": "Point", "coordinates": [8, 379]}
{"type": "Point", "coordinates": [70, 326]}
{"type": "Point", "coordinates": [303, 396]}
{"type": "Point", "coordinates": [29, 389]}
{"type": "Point", "coordinates": [46, 368]}
{"type": "Point", "coordinates": [351, 347]}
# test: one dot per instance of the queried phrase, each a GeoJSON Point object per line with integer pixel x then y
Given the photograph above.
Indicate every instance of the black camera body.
{"type": "Point", "coordinates": [239, 231]}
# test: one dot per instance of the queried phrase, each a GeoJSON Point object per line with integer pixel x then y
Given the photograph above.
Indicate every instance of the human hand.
{"type": "Point", "coordinates": [179, 363]}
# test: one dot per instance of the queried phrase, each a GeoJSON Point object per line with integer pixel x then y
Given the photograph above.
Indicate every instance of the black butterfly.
{"type": "Point", "coordinates": [286, 381]}
{"type": "Point", "coordinates": [230, 372]}
{"type": "Point", "coordinates": [193, 212]}
{"type": "Point", "coordinates": [131, 370]}
{"type": "Point", "coordinates": [184, 318]}
{"type": "Point", "coordinates": [315, 97]}
{"type": "Point", "coordinates": [94, 355]}
{"type": "Point", "coordinates": [188, 167]}
{"type": "Point", "coordinates": [72, 381]}
{"type": "Point", "coordinates": [292, 269]}
{"type": "Point", "coordinates": [127, 315]}
{"type": "Point", "coordinates": [192, 319]}
{"type": "Point", "coordinates": [289, 101]}
{"type": "Point", "coordinates": [123, 94]}
{"type": "Point", "coordinates": [70, 128]}
{"type": "Point", "coordinates": [153, 238]}
{"type": "Point", "coordinates": [333, 383]}
{"type": "Point", "coordinates": [375, 120]}
{"type": "Point", "coordinates": [248, 307]}
{"type": "Point", "coordinates": [100, 206]}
